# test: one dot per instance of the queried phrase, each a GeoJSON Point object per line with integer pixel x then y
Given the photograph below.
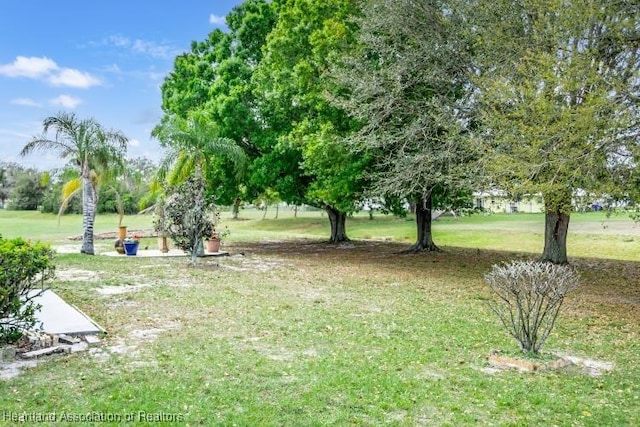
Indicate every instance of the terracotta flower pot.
{"type": "Point", "coordinates": [163, 244]}
{"type": "Point", "coordinates": [122, 232]}
{"type": "Point", "coordinates": [213, 245]}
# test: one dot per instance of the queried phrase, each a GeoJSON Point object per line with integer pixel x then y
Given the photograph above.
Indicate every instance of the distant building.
{"type": "Point", "coordinates": [498, 201]}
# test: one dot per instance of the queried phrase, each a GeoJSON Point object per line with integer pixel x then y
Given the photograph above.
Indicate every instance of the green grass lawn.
{"type": "Point", "coordinates": [291, 331]}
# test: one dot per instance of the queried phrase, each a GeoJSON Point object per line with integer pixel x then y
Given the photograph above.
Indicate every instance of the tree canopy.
{"type": "Point", "coordinates": [306, 161]}
{"type": "Point", "coordinates": [558, 88]}
{"type": "Point", "coordinates": [406, 82]}
{"type": "Point", "coordinates": [338, 101]}
{"type": "Point", "coordinates": [214, 82]}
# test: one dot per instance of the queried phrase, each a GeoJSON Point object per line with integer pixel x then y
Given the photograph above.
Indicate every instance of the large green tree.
{"type": "Point", "coordinates": [305, 161]}
{"type": "Point", "coordinates": [214, 79]}
{"type": "Point", "coordinates": [91, 149]}
{"type": "Point", "coordinates": [406, 82]}
{"type": "Point", "coordinates": [558, 86]}
{"type": "Point", "coordinates": [9, 173]}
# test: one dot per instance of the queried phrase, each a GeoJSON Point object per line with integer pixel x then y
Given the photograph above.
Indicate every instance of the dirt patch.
{"type": "Point", "coordinates": [66, 249]}
{"type": "Point", "coordinates": [242, 263]}
{"type": "Point", "coordinates": [129, 345]}
{"type": "Point", "coordinates": [10, 370]}
{"type": "Point", "coordinates": [118, 290]}
{"type": "Point", "coordinates": [77, 275]}
{"type": "Point", "coordinates": [560, 363]}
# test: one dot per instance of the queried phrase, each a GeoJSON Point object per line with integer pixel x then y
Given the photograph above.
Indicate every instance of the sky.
{"type": "Point", "coordinates": [99, 59]}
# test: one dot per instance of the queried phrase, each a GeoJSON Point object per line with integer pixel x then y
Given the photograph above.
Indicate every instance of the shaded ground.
{"type": "Point", "coordinates": [610, 283]}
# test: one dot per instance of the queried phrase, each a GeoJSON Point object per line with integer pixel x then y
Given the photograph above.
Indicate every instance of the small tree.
{"type": "Point", "coordinates": [528, 297]}
{"type": "Point", "coordinates": [189, 214]}
{"type": "Point", "coordinates": [24, 268]}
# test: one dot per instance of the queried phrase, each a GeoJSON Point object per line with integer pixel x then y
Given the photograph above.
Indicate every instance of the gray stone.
{"type": "Point", "coordinates": [92, 339]}
{"type": "Point", "coordinates": [66, 339]}
{"type": "Point", "coordinates": [43, 352]}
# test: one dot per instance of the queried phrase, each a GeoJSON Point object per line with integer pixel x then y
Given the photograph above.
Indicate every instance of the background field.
{"type": "Point", "coordinates": [590, 234]}
{"type": "Point", "coordinates": [288, 330]}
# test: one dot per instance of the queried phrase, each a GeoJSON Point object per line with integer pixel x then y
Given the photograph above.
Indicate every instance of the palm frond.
{"type": "Point", "coordinates": [69, 190]}
{"type": "Point", "coordinates": [71, 187]}
{"type": "Point", "coordinates": [197, 139]}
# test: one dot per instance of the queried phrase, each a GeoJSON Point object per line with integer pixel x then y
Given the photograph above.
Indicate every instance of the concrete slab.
{"type": "Point", "coordinates": [59, 317]}
{"type": "Point", "coordinates": [158, 254]}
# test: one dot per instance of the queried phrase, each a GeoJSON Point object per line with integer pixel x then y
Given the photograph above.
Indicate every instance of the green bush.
{"type": "Point", "coordinates": [24, 269]}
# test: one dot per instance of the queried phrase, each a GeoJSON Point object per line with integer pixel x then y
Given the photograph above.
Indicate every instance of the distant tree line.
{"type": "Point", "coordinates": [25, 188]}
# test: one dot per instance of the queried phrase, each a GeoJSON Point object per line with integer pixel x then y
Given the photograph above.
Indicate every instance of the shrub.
{"type": "Point", "coordinates": [190, 215]}
{"type": "Point", "coordinates": [24, 268]}
{"type": "Point", "coordinates": [527, 297]}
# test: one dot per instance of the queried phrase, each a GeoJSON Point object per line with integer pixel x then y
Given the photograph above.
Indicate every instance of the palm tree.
{"type": "Point", "coordinates": [90, 148]}
{"type": "Point", "coordinates": [192, 143]}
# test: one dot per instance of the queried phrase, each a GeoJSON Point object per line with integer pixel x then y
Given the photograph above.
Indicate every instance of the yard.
{"type": "Point", "coordinates": [290, 331]}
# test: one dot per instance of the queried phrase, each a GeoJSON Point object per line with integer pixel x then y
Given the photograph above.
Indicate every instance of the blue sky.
{"type": "Point", "coordinates": [103, 59]}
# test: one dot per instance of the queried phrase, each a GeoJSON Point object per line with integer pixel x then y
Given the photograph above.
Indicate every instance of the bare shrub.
{"type": "Point", "coordinates": [528, 297]}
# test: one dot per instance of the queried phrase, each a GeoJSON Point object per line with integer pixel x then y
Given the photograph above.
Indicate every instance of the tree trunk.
{"type": "Point", "coordinates": [338, 225]}
{"type": "Point", "coordinates": [424, 242]}
{"type": "Point", "coordinates": [557, 208]}
{"type": "Point", "coordinates": [556, 226]}
{"type": "Point", "coordinates": [88, 214]}
{"type": "Point", "coordinates": [235, 210]}
{"type": "Point", "coordinates": [197, 251]}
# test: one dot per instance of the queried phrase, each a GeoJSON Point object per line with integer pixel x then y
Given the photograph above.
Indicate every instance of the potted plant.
{"type": "Point", "coordinates": [161, 225]}
{"type": "Point", "coordinates": [122, 235]}
{"type": "Point", "coordinates": [213, 242]}
{"type": "Point", "coordinates": [122, 229]}
{"type": "Point", "coordinates": [131, 245]}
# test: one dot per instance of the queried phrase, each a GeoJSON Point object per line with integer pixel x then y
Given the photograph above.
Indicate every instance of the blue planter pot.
{"type": "Point", "coordinates": [131, 248]}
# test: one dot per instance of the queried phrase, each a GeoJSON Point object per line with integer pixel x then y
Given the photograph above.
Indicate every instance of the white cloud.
{"type": "Point", "coordinates": [45, 68]}
{"type": "Point", "coordinates": [118, 40]}
{"type": "Point", "coordinates": [217, 20]}
{"type": "Point", "coordinates": [152, 49]}
{"type": "Point", "coordinates": [113, 69]}
{"type": "Point", "coordinates": [27, 102]}
{"type": "Point", "coordinates": [66, 101]}
{"type": "Point", "coordinates": [31, 67]}
{"type": "Point", "coordinates": [73, 78]}
{"type": "Point", "coordinates": [145, 47]}
{"type": "Point", "coordinates": [134, 142]}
